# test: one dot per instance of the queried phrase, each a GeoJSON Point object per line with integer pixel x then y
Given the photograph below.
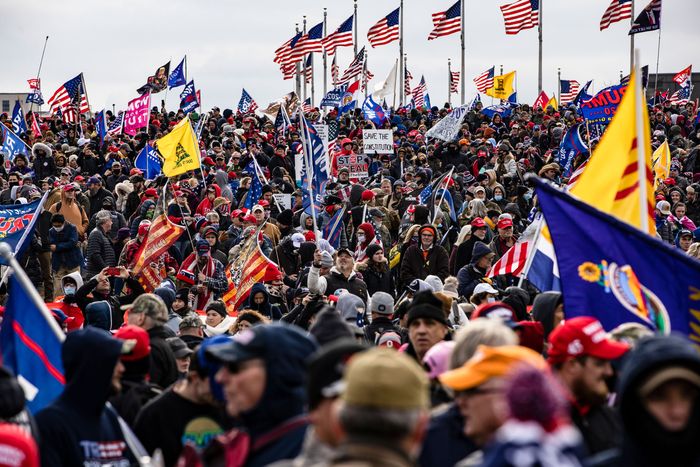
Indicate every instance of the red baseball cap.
{"type": "Point", "coordinates": [250, 218]}
{"type": "Point", "coordinates": [138, 340]}
{"type": "Point", "coordinates": [78, 178]}
{"type": "Point", "coordinates": [582, 335]}
{"type": "Point", "coordinates": [264, 203]}
{"type": "Point", "coordinates": [670, 182]}
{"type": "Point", "coordinates": [505, 223]}
{"type": "Point", "coordinates": [478, 223]}
{"type": "Point", "coordinates": [68, 187]}
{"type": "Point", "coordinates": [151, 192]}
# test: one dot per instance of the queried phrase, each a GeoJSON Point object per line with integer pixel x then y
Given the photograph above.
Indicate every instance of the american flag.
{"type": "Point", "coordinates": [355, 69]}
{"type": "Point", "coordinates": [70, 95]}
{"type": "Point", "coordinates": [335, 71]}
{"type": "Point", "coordinates": [407, 82]}
{"type": "Point", "coordinates": [288, 71]}
{"type": "Point", "coordinates": [115, 128]}
{"type": "Point", "coordinates": [341, 37]}
{"type": "Point", "coordinates": [332, 135]}
{"type": "Point", "coordinates": [286, 54]}
{"type": "Point", "coordinates": [683, 76]}
{"type": "Point", "coordinates": [682, 96]}
{"type": "Point", "coordinates": [485, 80]}
{"type": "Point", "coordinates": [454, 81]}
{"type": "Point", "coordinates": [576, 174]}
{"type": "Point", "coordinates": [520, 15]}
{"type": "Point", "coordinates": [568, 89]}
{"type": "Point", "coordinates": [385, 31]}
{"type": "Point", "coordinates": [247, 104]}
{"type": "Point", "coordinates": [309, 68]}
{"type": "Point", "coordinates": [306, 106]}
{"type": "Point", "coordinates": [255, 191]}
{"type": "Point", "coordinates": [447, 22]}
{"type": "Point", "coordinates": [616, 11]}
{"type": "Point", "coordinates": [512, 262]}
{"type": "Point", "coordinates": [366, 78]}
{"type": "Point", "coordinates": [310, 42]}
{"type": "Point", "coordinates": [419, 93]}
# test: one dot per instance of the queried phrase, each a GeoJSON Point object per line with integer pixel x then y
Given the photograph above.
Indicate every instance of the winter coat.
{"type": "Point", "coordinates": [445, 442]}
{"type": "Point", "coordinates": [67, 253]}
{"type": "Point", "coordinates": [221, 178]}
{"type": "Point", "coordinates": [115, 302]}
{"type": "Point", "coordinates": [370, 454]}
{"type": "Point", "coordinates": [471, 275]}
{"type": "Point", "coordinates": [543, 310]}
{"type": "Point", "coordinates": [96, 201]}
{"type": "Point", "coordinates": [100, 252]}
{"type": "Point", "coordinates": [143, 210]}
{"type": "Point", "coordinates": [265, 308]}
{"type": "Point", "coordinates": [415, 266]}
{"type": "Point", "coordinates": [163, 369]}
{"type": "Point", "coordinates": [377, 279]}
{"type": "Point", "coordinates": [335, 280]}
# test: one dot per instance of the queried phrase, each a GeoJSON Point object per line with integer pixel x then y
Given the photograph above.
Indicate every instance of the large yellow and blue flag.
{"type": "Point", "coordinates": [503, 86]}
{"type": "Point", "coordinates": [179, 149]}
{"type": "Point", "coordinates": [618, 273]}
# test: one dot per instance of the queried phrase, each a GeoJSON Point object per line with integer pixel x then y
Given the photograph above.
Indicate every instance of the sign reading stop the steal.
{"type": "Point", "coordinates": [357, 164]}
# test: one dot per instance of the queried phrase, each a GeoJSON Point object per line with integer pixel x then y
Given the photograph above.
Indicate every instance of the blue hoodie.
{"type": "Point", "coordinates": [265, 308]}
{"type": "Point", "coordinates": [77, 428]}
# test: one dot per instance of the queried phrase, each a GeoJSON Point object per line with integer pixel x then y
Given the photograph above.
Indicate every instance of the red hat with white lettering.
{"type": "Point", "coordinates": [579, 336]}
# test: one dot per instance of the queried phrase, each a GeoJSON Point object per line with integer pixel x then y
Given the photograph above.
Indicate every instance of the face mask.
{"type": "Point", "coordinates": [361, 238]}
{"type": "Point", "coordinates": [497, 197]}
{"type": "Point", "coordinates": [490, 299]}
{"type": "Point", "coordinates": [527, 196]}
{"type": "Point", "coordinates": [14, 183]}
{"type": "Point", "coordinates": [58, 229]}
{"type": "Point", "coordinates": [149, 215]}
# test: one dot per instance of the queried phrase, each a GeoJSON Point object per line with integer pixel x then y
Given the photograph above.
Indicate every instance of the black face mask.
{"type": "Point", "coordinates": [14, 184]}
{"type": "Point", "coordinates": [116, 171]}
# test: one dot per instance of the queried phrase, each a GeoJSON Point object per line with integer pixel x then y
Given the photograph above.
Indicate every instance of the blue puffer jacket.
{"type": "Point", "coordinates": [67, 253]}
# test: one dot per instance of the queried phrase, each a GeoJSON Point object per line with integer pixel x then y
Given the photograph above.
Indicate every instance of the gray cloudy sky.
{"type": "Point", "coordinates": [230, 44]}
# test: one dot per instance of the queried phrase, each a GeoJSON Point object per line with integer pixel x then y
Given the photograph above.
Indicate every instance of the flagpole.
{"type": "Point", "coordinates": [449, 82]}
{"type": "Point", "coordinates": [641, 147]}
{"type": "Point", "coordinates": [303, 62]}
{"type": "Point", "coordinates": [531, 253]}
{"type": "Point", "coordinates": [354, 25]}
{"type": "Point", "coordinates": [38, 72]}
{"type": "Point", "coordinates": [539, 65]}
{"type": "Point", "coordinates": [401, 65]}
{"type": "Point", "coordinates": [87, 99]}
{"type": "Point", "coordinates": [558, 86]}
{"type": "Point", "coordinates": [631, 40]}
{"type": "Point", "coordinates": [325, 55]}
{"type": "Point", "coordinates": [442, 195]}
{"type": "Point", "coordinates": [297, 71]}
{"type": "Point", "coordinates": [656, 75]}
{"type": "Point", "coordinates": [313, 78]}
{"type": "Point", "coordinates": [309, 169]}
{"type": "Point", "coordinates": [463, 54]}
{"type": "Point", "coordinates": [394, 103]}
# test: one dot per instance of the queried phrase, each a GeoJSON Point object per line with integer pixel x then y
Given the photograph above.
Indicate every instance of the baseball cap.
{"type": "Point", "coordinates": [484, 287]}
{"type": "Point", "coordinates": [478, 223]}
{"type": "Point", "coordinates": [326, 367]}
{"type": "Point", "coordinates": [68, 187]}
{"type": "Point", "coordinates": [582, 335]}
{"type": "Point", "coordinates": [490, 362]}
{"type": "Point", "coordinates": [684, 233]}
{"type": "Point", "coordinates": [390, 340]}
{"type": "Point", "coordinates": [664, 207]}
{"type": "Point", "coordinates": [179, 348]}
{"type": "Point", "coordinates": [150, 304]}
{"type": "Point", "coordinates": [382, 303]}
{"type": "Point", "coordinates": [191, 320]}
{"type": "Point", "coordinates": [298, 239]}
{"type": "Point", "coordinates": [203, 248]}
{"type": "Point", "coordinates": [384, 378]}
{"type": "Point", "coordinates": [496, 310]}
{"type": "Point", "coordinates": [139, 343]}
{"type": "Point", "coordinates": [505, 223]}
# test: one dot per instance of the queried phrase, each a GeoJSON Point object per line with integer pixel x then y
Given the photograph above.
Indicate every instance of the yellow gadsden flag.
{"type": "Point", "coordinates": [502, 86]}
{"type": "Point", "coordinates": [553, 102]}
{"type": "Point", "coordinates": [611, 179]}
{"type": "Point", "coordinates": [179, 149]}
{"type": "Point", "coordinates": [661, 163]}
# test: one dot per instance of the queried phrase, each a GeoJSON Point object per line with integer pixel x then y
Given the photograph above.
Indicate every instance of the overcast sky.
{"type": "Point", "coordinates": [230, 44]}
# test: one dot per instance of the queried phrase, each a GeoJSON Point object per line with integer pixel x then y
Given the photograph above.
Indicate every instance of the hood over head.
{"type": "Point", "coordinates": [348, 306]}
{"type": "Point", "coordinates": [543, 310]}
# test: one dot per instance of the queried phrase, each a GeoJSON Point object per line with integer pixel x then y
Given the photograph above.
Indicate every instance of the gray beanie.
{"type": "Point", "coordinates": [382, 303]}
{"type": "Point", "coordinates": [326, 260]}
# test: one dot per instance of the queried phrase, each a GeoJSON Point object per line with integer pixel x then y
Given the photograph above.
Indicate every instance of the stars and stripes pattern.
{"type": "Point", "coordinates": [512, 262]}
{"type": "Point", "coordinates": [341, 37]}
{"type": "Point", "coordinates": [246, 104]}
{"type": "Point", "coordinates": [115, 128]}
{"type": "Point", "coordinates": [568, 90]}
{"type": "Point", "coordinates": [309, 69]}
{"type": "Point", "coordinates": [682, 96]}
{"type": "Point", "coordinates": [485, 80]}
{"type": "Point", "coordinates": [306, 106]}
{"type": "Point", "coordinates": [286, 54]}
{"type": "Point", "coordinates": [70, 97]}
{"type": "Point", "coordinates": [366, 78]}
{"type": "Point", "coordinates": [576, 174]}
{"type": "Point", "coordinates": [385, 31]}
{"type": "Point", "coordinates": [288, 71]}
{"type": "Point", "coordinates": [355, 69]}
{"type": "Point", "coordinates": [407, 82]}
{"type": "Point", "coordinates": [618, 10]}
{"type": "Point", "coordinates": [310, 42]}
{"type": "Point", "coordinates": [335, 71]}
{"type": "Point", "coordinates": [521, 15]}
{"type": "Point", "coordinates": [454, 81]}
{"type": "Point", "coordinates": [447, 22]}
{"type": "Point", "coordinates": [419, 93]}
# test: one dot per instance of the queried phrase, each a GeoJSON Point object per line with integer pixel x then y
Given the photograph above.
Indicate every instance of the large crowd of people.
{"type": "Point", "coordinates": [391, 346]}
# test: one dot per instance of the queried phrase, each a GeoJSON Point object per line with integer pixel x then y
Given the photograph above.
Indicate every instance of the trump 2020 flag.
{"type": "Point", "coordinates": [572, 144]}
{"type": "Point", "coordinates": [19, 124]}
{"type": "Point", "coordinates": [148, 162]}
{"type": "Point", "coordinates": [373, 111]}
{"type": "Point", "coordinates": [101, 125]}
{"type": "Point", "coordinates": [177, 76]}
{"type": "Point", "coordinates": [617, 273]}
{"type": "Point", "coordinates": [12, 144]}
{"type": "Point", "coordinates": [188, 98]}
{"type": "Point", "coordinates": [17, 225]}
{"type": "Point", "coordinates": [31, 341]}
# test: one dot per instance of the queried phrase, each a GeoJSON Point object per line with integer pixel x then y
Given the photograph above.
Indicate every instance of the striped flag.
{"type": "Point", "coordinates": [419, 93]}
{"type": "Point", "coordinates": [288, 71]}
{"type": "Point", "coordinates": [576, 174]}
{"type": "Point", "coordinates": [682, 96]}
{"type": "Point", "coordinates": [115, 128]}
{"type": "Point", "coordinates": [407, 82]}
{"type": "Point", "coordinates": [355, 69]}
{"type": "Point", "coordinates": [331, 231]}
{"type": "Point", "coordinates": [309, 72]}
{"type": "Point", "coordinates": [246, 104]}
{"type": "Point", "coordinates": [447, 22]}
{"type": "Point", "coordinates": [341, 37]}
{"type": "Point", "coordinates": [616, 11]}
{"type": "Point", "coordinates": [385, 31]}
{"type": "Point", "coordinates": [285, 54]}
{"type": "Point", "coordinates": [335, 71]}
{"type": "Point", "coordinates": [306, 106]}
{"type": "Point", "coordinates": [150, 266]}
{"type": "Point", "coordinates": [454, 81]}
{"type": "Point", "coordinates": [684, 75]}
{"type": "Point", "coordinates": [485, 80]}
{"type": "Point", "coordinates": [35, 125]}
{"type": "Point", "coordinates": [512, 262]}
{"type": "Point", "coordinates": [309, 42]}
{"type": "Point", "coordinates": [520, 15]}
{"type": "Point", "coordinates": [70, 96]}
{"type": "Point", "coordinates": [568, 90]}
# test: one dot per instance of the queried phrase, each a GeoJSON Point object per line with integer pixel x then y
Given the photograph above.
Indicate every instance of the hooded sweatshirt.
{"type": "Point", "coordinates": [77, 428]}
{"type": "Point", "coordinates": [73, 213]}
{"type": "Point", "coordinates": [265, 308]}
{"type": "Point", "coordinates": [543, 310]}
{"type": "Point", "coordinates": [349, 306]}
{"type": "Point", "coordinates": [221, 178]}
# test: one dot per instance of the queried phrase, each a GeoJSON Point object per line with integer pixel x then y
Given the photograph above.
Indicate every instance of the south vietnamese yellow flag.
{"type": "Point", "coordinates": [179, 149]}
{"type": "Point", "coordinates": [611, 179]}
{"type": "Point", "coordinates": [661, 163]}
{"type": "Point", "coordinates": [502, 86]}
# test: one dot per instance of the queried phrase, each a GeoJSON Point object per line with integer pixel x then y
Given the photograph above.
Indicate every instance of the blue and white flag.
{"type": "Point", "coordinates": [188, 98]}
{"type": "Point", "coordinates": [101, 125]}
{"type": "Point", "coordinates": [148, 162]}
{"type": "Point", "coordinates": [12, 144]}
{"type": "Point", "coordinates": [427, 101]}
{"type": "Point", "coordinates": [178, 75]}
{"type": "Point", "coordinates": [334, 97]}
{"type": "Point", "coordinates": [448, 128]}
{"type": "Point", "coordinates": [31, 341]}
{"type": "Point", "coordinates": [373, 111]}
{"type": "Point", "coordinates": [475, 101]}
{"type": "Point", "coordinates": [502, 110]}
{"type": "Point", "coordinates": [247, 104]}
{"type": "Point", "coordinates": [331, 231]}
{"type": "Point", "coordinates": [315, 166]}
{"type": "Point", "coordinates": [572, 145]}
{"type": "Point", "coordinates": [17, 224]}
{"type": "Point", "coordinates": [582, 94]}
{"type": "Point", "coordinates": [19, 124]}
{"type": "Point", "coordinates": [255, 191]}
{"type": "Point", "coordinates": [35, 97]}
{"type": "Point", "coordinates": [447, 198]}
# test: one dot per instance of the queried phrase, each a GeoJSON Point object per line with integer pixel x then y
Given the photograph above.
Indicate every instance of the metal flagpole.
{"type": "Point", "coordinates": [38, 72]}
{"type": "Point", "coordinates": [533, 250]}
{"type": "Point", "coordinates": [401, 64]}
{"type": "Point", "coordinates": [449, 82]}
{"type": "Point", "coordinates": [641, 147]}
{"type": "Point", "coordinates": [463, 55]}
{"type": "Point", "coordinates": [82, 79]}
{"type": "Point", "coordinates": [297, 70]}
{"type": "Point", "coordinates": [354, 25]}
{"type": "Point", "coordinates": [364, 74]}
{"type": "Point", "coordinates": [325, 55]}
{"type": "Point", "coordinates": [442, 195]}
{"type": "Point", "coordinates": [632, 40]}
{"type": "Point", "coordinates": [394, 103]}
{"type": "Point", "coordinates": [405, 61]}
{"type": "Point", "coordinates": [558, 85]}
{"type": "Point", "coordinates": [656, 75]}
{"type": "Point", "coordinates": [306, 145]}
{"type": "Point", "coordinates": [303, 58]}
{"type": "Point", "coordinates": [313, 78]}
{"type": "Point", "coordinates": [539, 66]}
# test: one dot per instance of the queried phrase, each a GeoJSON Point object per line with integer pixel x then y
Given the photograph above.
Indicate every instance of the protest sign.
{"type": "Point", "coordinates": [378, 141]}
{"type": "Point", "coordinates": [283, 199]}
{"type": "Point", "coordinates": [137, 114]}
{"type": "Point", "coordinates": [601, 108]}
{"type": "Point", "coordinates": [357, 164]}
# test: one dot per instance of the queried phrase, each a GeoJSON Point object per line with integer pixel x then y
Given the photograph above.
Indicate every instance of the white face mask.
{"type": "Point", "coordinates": [58, 229]}
{"type": "Point", "coordinates": [491, 299]}
{"type": "Point", "coordinates": [361, 238]}
{"type": "Point", "coordinates": [69, 289]}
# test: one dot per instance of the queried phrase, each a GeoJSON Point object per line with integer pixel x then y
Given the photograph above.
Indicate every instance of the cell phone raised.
{"type": "Point", "coordinates": [115, 272]}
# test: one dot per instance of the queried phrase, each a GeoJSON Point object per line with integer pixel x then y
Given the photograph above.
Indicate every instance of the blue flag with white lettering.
{"type": "Point", "coordinates": [19, 124]}
{"type": "Point", "coordinates": [572, 145]}
{"type": "Point", "coordinates": [177, 76]}
{"type": "Point", "coordinates": [35, 97]}
{"type": "Point", "coordinates": [334, 97]}
{"type": "Point", "coordinates": [315, 155]}
{"type": "Point", "coordinates": [12, 144]}
{"type": "Point", "coordinates": [618, 274]}
{"type": "Point", "coordinates": [373, 111]}
{"type": "Point", "coordinates": [148, 162]}
{"type": "Point", "coordinates": [188, 98]}
{"type": "Point", "coordinates": [101, 125]}
{"type": "Point", "coordinates": [17, 225]}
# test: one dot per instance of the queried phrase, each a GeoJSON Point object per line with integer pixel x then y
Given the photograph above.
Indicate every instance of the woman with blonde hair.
{"type": "Point", "coordinates": [694, 250]}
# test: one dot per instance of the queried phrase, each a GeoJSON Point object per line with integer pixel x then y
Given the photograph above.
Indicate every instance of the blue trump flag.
{"type": "Point", "coordinates": [334, 97]}
{"type": "Point", "coordinates": [331, 231]}
{"type": "Point", "coordinates": [255, 191]}
{"type": "Point", "coordinates": [31, 341]}
{"type": "Point", "coordinates": [373, 111]}
{"type": "Point", "coordinates": [600, 108]}
{"type": "Point", "coordinates": [148, 162]}
{"type": "Point", "coordinates": [618, 274]}
{"type": "Point", "coordinates": [188, 98]}
{"type": "Point", "coordinates": [572, 145]}
{"type": "Point", "coordinates": [447, 198]}
{"type": "Point", "coordinates": [177, 76]}
{"type": "Point", "coordinates": [17, 225]}
{"type": "Point", "coordinates": [19, 124]}
{"type": "Point", "coordinates": [12, 144]}
{"type": "Point", "coordinates": [101, 125]}
{"type": "Point", "coordinates": [315, 166]}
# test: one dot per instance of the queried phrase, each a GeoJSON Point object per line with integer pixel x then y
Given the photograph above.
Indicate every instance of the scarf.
{"type": "Point", "coordinates": [188, 273]}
